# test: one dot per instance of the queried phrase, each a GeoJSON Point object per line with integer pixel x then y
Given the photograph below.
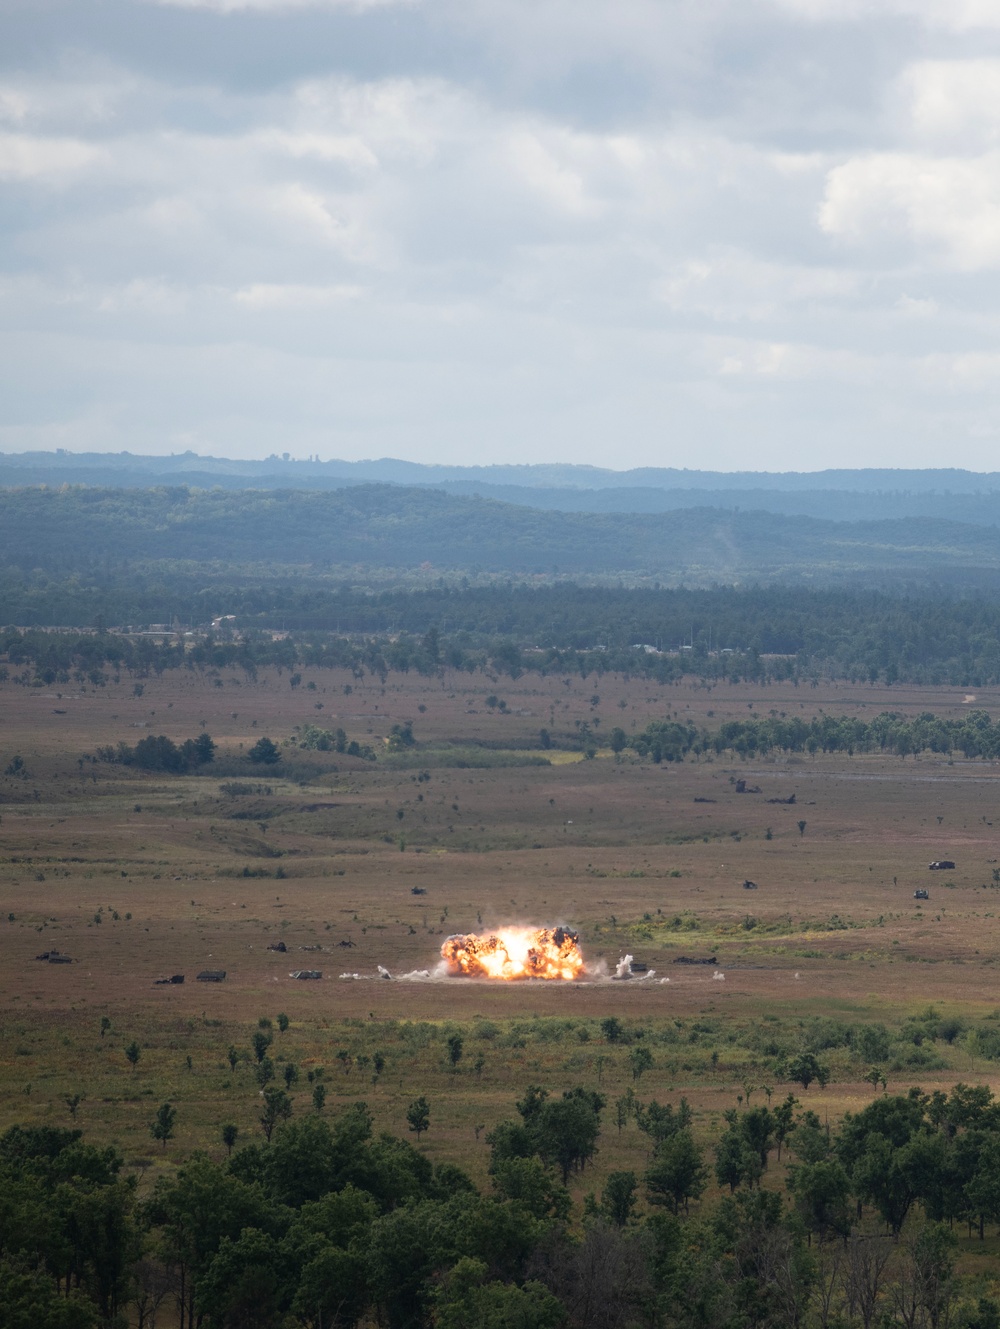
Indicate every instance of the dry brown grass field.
{"type": "Point", "coordinates": [139, 876]}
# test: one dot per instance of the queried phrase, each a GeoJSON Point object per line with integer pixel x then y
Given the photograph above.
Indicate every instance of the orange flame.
{"type": "Point", "coordinates": [515, 953]}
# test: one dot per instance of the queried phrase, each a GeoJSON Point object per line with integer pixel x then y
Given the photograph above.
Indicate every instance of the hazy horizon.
{"type": "Point", "coordinates": [278, 462]}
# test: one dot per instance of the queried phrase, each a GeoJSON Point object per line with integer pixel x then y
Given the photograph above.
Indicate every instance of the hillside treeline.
{"type": "Point", "coordinates": [74, 530]}
{"type": "Point", "coordinates": [754, 634]}
{"type": "Point", "coordinates": [326, 1225]}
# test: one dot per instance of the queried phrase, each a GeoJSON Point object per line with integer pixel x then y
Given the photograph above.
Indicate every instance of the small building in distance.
{"type": "Point", "coordinates": [212, 976]}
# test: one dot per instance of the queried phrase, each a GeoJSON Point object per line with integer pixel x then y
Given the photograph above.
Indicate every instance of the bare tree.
{"type": "Point", "coordinates": [924, 1285]}
{"type": "Point", "coordinates": [604, 1281]}
{"type": "Point", "coordinates": [905, 1296]}
{"type": "Point", "coordinates": [866, 1275]}
{"type": "Point", "coordinates": [154, 1282]}
{"type": "Point", "coordinates": [830, 1272]}
{"type": "Point", "coordinates": [769, 1256]}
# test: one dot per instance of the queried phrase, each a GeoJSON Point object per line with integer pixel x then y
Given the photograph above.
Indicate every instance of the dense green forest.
{"type": "Point", "coordinates": [78, 530]}
{"type": "Point", "coordinates": [322, 1224]}
{"type": "Point", "coordinates": [725, 633]}
{"type": "Point", "coordinates": [384, 578]}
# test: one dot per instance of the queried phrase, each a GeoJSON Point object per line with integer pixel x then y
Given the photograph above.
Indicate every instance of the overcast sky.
{"type": "Point", "coordinates": [733, 234]}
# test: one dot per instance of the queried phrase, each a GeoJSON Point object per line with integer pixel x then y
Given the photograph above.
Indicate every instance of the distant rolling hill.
{"type": "Point", "coordinates": [131, 470]}
{"type": "Point", "coordinates": [386, 526]}
{"type": "Point", "coordinates": [834, 495]}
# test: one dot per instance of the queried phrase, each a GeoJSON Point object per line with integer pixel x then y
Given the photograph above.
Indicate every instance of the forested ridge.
{"type": "Point", "coordinates": [79, 529]}
{"type": "Point", "coordinates": [661, 492]}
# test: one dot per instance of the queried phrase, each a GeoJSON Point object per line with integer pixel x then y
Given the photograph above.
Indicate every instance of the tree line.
{"type": "Point", "coordinates": [753, 635]}
{"type": "Point", "coordinates": [326, 1224]}
{"type": "Point", "coordinates": [159, 753]}
{"type": "Point", "coordinates": [974, 735]}
{"type": "Point", "coordinates": [840, 630]}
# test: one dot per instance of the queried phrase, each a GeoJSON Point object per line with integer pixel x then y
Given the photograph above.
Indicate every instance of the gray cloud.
{"type": "Point", "coordinates": [733, 235]}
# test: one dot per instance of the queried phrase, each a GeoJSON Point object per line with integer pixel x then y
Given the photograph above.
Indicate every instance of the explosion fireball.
{"type": "Point", "coordinates": [514, 953]}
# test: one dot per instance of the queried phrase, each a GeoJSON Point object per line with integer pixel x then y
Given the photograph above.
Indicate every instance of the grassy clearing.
{"type": "Point", "coordinates": [713, 1060]}
{"type": "Point", "coordinates": [463, 758]}
{"type": "Point", "coordinates": [139, 876]}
